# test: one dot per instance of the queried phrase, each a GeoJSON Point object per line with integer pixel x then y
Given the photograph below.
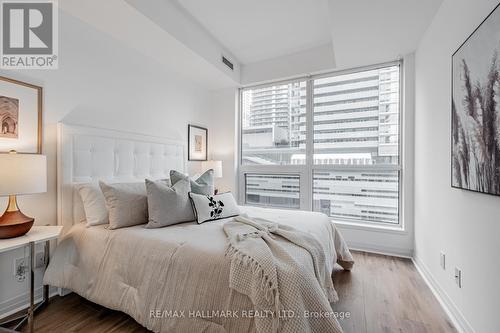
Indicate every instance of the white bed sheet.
{"type": "Point", "coordinates": [155, 274]}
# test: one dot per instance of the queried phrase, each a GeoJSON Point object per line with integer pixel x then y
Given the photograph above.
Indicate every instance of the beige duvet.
{"type": "Point", "coordinates": [176, 279]}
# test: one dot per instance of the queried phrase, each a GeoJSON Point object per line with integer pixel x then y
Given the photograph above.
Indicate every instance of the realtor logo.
{"type": "Point", "coordinates": [29, 34]}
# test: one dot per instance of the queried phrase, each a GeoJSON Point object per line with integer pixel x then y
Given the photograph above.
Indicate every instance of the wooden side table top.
{"type": "Point", "coordinates": [37, 234]}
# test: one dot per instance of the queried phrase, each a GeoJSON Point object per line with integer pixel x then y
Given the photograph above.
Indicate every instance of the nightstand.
{"type": "Point", "coordinates": [37, 234]}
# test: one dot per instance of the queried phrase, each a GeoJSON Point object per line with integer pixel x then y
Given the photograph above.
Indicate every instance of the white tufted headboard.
{"type": "Point", "coordinates": [88, 154]}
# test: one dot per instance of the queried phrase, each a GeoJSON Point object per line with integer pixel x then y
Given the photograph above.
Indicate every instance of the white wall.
{"type": "Point", "coordinates": [462, 224]}
{"type": "Point", "coordinates": [102, 83]}
{"type": "Point", "coordinates": [223, 135]}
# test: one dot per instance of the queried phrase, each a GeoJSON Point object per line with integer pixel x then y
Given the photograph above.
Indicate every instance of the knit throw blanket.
{"type": "Point", "coordinates": [282, 270]}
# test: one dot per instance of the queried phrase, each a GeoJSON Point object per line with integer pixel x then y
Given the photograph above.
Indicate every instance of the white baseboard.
{"type": "Point", "coordinates": [455, 315]}
{"type": "Point", "coordinates": [63, 291]}
{"type": "Point", "coordinates": [388, 251]}
{"type": "Point", "coordinates": [21, 302]}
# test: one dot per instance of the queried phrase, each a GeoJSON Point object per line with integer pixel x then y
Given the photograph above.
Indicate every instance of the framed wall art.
{"type": "Point", "coordinates": [197, 143]}
{"type": "Point", "coordinates": [475, 128]}
{"type": "Point", "coordinates": [20, 117]}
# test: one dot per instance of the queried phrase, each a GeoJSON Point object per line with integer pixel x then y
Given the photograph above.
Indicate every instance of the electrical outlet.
{"type": "Point", "coordinates": [442, 260]}
{"type": "Point", "coordinates": [40, 260]}
{"type": "Point", "coordinates": [458, 277]}
{"type": "Point", "coordinates": [20, 269]}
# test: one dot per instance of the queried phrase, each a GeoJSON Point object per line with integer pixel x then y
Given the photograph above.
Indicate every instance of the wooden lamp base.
{"type": "Point", "coordinates": [13, 223]}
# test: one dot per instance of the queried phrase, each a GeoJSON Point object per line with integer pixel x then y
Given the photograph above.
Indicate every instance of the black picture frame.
{"type": "Point", "coordinates": [454, 115]}
{"type": "Point", "coordinates": [191, 148]}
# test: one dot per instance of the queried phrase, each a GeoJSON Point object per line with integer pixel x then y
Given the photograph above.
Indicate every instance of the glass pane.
{"type": "Point", "coordinates": [356, 118]}
{"type": "Point", "coordinates": [273, 190]}
{"type": "Point", "coordinates": [274, 125]}
{"type": "Point", "coordinates": [368, 196]}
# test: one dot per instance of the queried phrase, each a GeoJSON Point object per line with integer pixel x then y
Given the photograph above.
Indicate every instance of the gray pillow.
{"type": "Point", "coordinates": [127, 204]}
{"type": "Point", "coordinates": [168, 205]}
{"type": "Point", "coordinates": [203, 185]}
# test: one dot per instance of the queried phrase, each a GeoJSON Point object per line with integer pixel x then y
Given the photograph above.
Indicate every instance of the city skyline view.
{"type": "Point", "coordinates": [355, 126]}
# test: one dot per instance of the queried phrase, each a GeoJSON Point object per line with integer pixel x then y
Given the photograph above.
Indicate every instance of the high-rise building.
{"type": "Point", "coordinates": [274, 105]}
{"type": "Point", "coordinates": [356, 117]}
{"type": "Point", "coordinates": [270, 122]}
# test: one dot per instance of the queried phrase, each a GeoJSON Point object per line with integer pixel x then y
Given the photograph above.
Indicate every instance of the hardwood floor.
{"type": "Point", "coordinates": [387, 294]}
{"type": "Point", "coordinates": [381, 294]}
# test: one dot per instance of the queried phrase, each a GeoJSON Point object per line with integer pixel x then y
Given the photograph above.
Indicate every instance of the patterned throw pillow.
{"type": "Point", "coordinates": [210, 208]}
{"type": "Point", "coordinates": [202, 185]}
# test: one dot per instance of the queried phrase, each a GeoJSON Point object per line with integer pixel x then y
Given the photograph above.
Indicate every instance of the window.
{"type": "Point", "coordinates": [328, 143]}
{"type": "Point", "coordinates": [273, 190]}
{"type": "Point", "coordinates": [370, 196]}
{"type": "Point", "coordinates": [273, 124]}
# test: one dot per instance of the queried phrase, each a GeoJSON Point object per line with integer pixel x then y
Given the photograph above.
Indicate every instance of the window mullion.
{"type": "Point", "coordinates": [308, 176]}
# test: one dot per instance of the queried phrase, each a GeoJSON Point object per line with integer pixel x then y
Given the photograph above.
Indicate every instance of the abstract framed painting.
{"type": "Point", "coordinates": [197, 143]}
{"type": "Point", "coordinates": [475, 119]}
{"type": "Point", "coordinates": [20, 117]}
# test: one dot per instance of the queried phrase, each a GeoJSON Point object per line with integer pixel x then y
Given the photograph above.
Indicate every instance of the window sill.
{"type": "Point", "coordinates": [372, 228]}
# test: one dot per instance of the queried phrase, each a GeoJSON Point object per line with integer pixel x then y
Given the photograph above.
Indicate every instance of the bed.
{"type": "Point", "coordinates": [172, 279]}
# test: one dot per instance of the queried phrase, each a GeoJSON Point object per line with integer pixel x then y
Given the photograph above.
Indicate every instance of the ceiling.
{"type": "Point", "coordinates": [265, 39]}
{"type": "Point", "coordinates": [369, 32]}
{"type": "Point", "coordinates": [359, 31]}
{"type": "Point", "coordinates": [257, 30]}
{"type": "Point", "coordinates": [129, 26]}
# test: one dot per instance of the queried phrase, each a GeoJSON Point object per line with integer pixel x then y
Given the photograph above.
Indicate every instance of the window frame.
{"type": "Point", "coordinates": [306, 171]}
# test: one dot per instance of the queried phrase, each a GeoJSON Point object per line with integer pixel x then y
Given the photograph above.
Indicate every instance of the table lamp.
{"type": "Point", "coordinates": [20, 174]}
{"type": "Point", "coordinates": [214, 165]}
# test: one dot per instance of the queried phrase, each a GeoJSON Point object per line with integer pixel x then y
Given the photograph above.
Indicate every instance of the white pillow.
{"type": "Point", "coordinates": [127, 204]}
{"type": "Point", "coordinates": [210, 208]}
{"type": "Point", "coordinates": [94, 204]}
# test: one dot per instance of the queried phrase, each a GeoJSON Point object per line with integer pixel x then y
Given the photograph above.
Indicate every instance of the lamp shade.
{"type": "Point", "coordinates": [215, 165]}
{"type": "Point", "coordinates": [22, 174]}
